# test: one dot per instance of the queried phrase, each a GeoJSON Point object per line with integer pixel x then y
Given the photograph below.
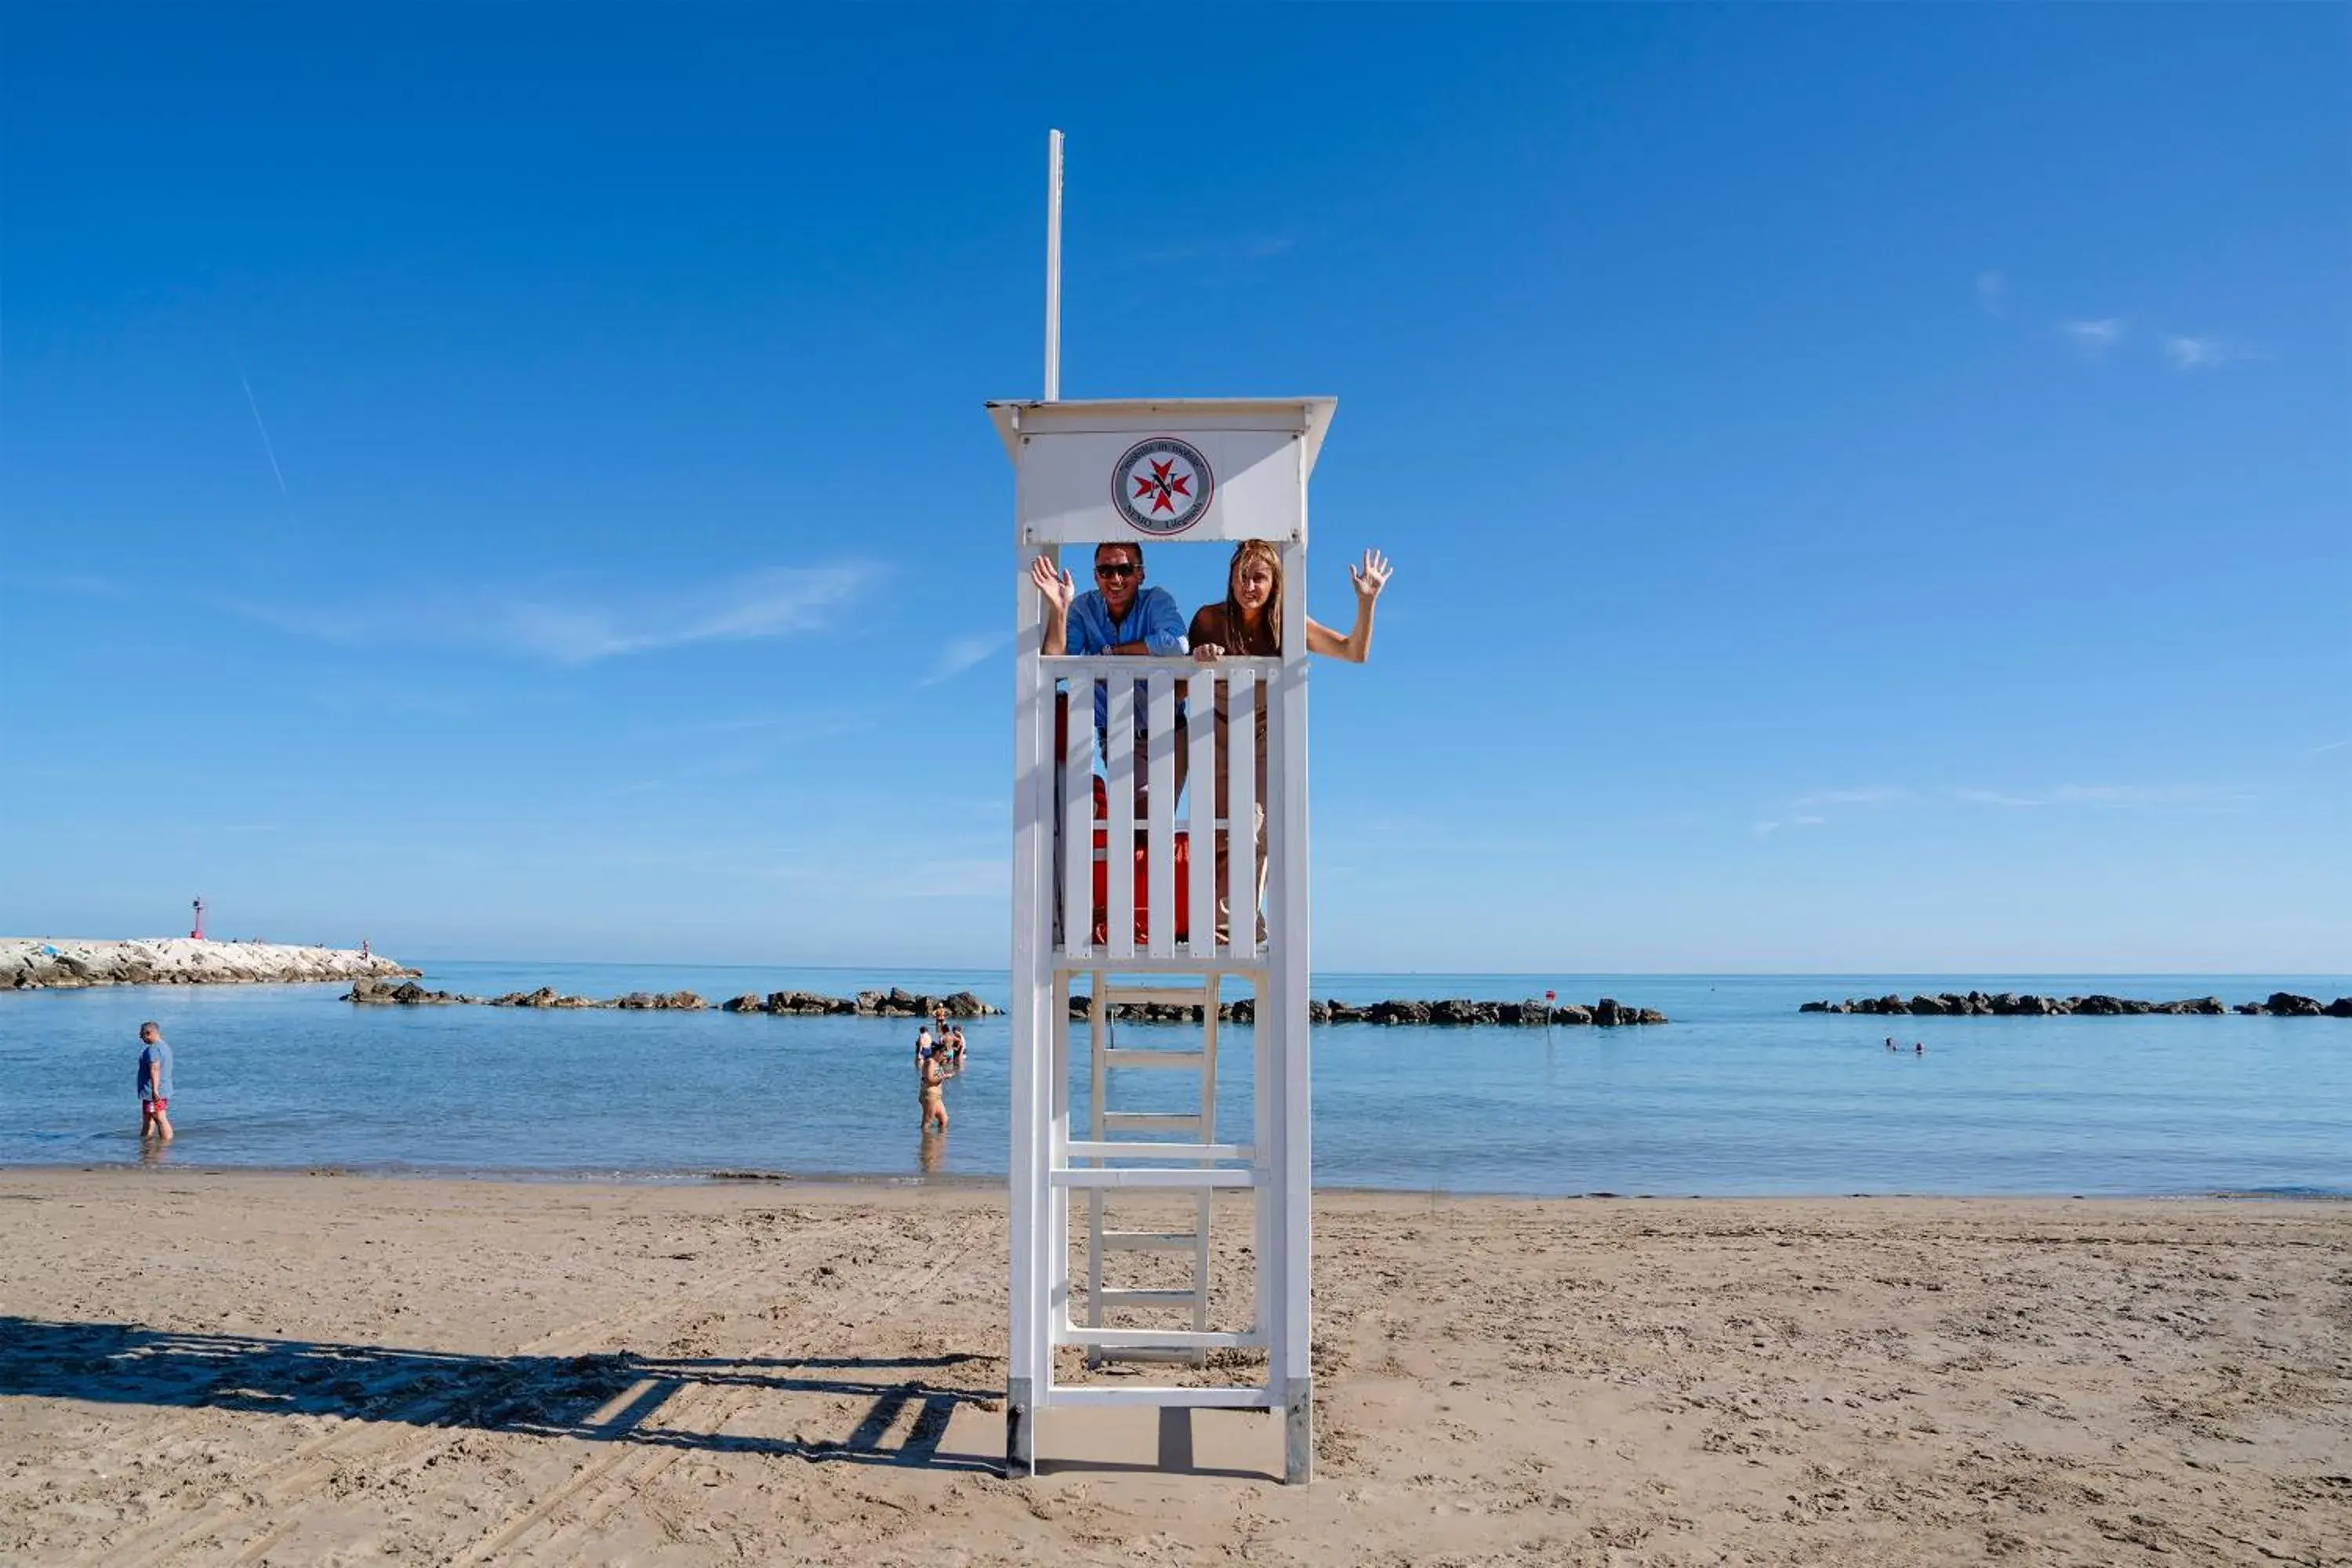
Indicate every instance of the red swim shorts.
{"type": "Point", "coordinates": [153, 1106]}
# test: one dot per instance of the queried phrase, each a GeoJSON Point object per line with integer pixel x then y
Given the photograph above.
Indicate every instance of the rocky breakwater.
{"type": "Point", "coordinates": [1607, 1012]}
{"type": "Point", "coordinates": [37, 963]}
{"type": "Point", "coordinates": [893, 1004]}
{"type": "Point", "coordinates": [2009, 1004]}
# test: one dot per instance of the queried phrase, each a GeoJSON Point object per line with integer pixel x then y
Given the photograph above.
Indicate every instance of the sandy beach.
{"type": "Point", "coordinates": [302, 1369]}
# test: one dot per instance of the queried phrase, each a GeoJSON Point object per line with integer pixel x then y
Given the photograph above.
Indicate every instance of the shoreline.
{"type": "Point", "coordinates": [876, 1181]}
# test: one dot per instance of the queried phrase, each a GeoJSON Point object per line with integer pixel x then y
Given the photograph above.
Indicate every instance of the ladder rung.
{"type": "Point", "coordinates": [1157, 1339]}
{"type": "Point", "coordinates": [1117, 1059]}
{"type": "Point", "coordinates": [1149, 1121]}
{"type": "Point", "coordinates": [1205, 1176]}
{"type": "Point", "coordinates": [1110, 1297]}
{"type": "Point", "coordinates": [1088, 1149]}
{"type": "Point", "coordinates": [1096, 1358]}
{"type": "Point", "coordinates": [1151, 1240]}
{"type": "Point", "coordinates": [1190, 995]}
{"type": "Point", "coordinates": [1242, 1398]}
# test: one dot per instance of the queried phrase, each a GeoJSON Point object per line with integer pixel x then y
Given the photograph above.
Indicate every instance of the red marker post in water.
{"type": "Point", "coordinates": [1550, 998]}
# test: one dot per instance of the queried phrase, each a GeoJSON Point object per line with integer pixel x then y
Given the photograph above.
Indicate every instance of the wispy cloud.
{"type": "Point", "coordinates": [1867, 794]}
{"type": "Point", "coordinates": [1812, 810]}
{"type": "Point", "coordinates": [2112, 797]}
{"type": "Point", "coordinates": [2188, 352]}
{"type": "Point", "coordinates": [2094, 337]}
{"type": "Point", "coordinates": [2332, 746]}
{"type": "Point", "coordinates": [1992, 293]}
{"type": "Point", "coordinates": [80, 584]}
{"type": "Point", "coordinates": [961, 653]}
{"type": "Point", "coordinates": [582, 630]}
{"type": "Point", "coordinates": [1822, 806]}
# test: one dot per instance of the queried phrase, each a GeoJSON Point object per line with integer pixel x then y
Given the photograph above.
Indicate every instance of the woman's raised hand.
{"type": "Point", "coordinates": [1056, 586]}
{"type": "Point", "coordinates": [1371, 576]}
{"type": "Point", "coordinates": [1207, 653]}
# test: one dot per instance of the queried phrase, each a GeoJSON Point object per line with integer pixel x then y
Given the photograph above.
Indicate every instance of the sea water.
{"type": "Point", "coordinates": [1739, 1094]}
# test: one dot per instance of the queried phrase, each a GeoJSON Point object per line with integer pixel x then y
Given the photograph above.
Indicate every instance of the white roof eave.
{"type": "Point", "coordinates": [1012, 418]}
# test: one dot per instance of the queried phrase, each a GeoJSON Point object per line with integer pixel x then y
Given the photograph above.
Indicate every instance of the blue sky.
{"type": "Point", "coordinates": [1871, 488]}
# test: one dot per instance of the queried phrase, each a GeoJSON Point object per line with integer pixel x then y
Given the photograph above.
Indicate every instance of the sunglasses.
{"type": "Point", "coordinates": [1115, 569]}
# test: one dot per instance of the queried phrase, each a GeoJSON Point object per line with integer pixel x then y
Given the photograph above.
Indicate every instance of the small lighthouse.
{"type": "Point", "coordinates": [199, 933]}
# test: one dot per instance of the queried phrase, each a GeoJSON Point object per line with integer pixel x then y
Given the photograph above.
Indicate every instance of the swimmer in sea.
{"type": "Point", "coordinates": [929, 1076]}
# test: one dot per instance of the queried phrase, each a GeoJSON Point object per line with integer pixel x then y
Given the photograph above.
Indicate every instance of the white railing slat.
{"type": "Point", "coordinates": [1119, 913]}
{"type": "Point", "coordinates": [1078, 821]}
{"type": "Point", "coordinates": [1241, 813]}
{"type": "Point", "coordinates": [1161, 878]}
{"type": "Point", "coordinates": [1200, 739]}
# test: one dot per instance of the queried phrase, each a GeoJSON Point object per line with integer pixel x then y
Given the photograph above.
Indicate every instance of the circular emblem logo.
{"type": "Point", "coordinates": [1162, 486]}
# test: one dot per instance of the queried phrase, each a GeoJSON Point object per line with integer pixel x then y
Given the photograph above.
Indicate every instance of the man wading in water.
{"type": "Point", "coordinates": [154, 1084]}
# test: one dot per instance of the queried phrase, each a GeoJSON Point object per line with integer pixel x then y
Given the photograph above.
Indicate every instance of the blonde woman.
{"type": "Point", "coordinates": [1248, 624]}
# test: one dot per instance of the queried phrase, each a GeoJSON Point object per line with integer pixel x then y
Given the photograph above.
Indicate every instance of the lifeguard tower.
{"type": "Point", "coordinates": [1115, 900]}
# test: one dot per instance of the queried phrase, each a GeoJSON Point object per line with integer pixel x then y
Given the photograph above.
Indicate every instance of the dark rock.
{"type": "Point", "coordinates": [2340, 1008]}
{"type": "Point", "coordinates": [1929, 1007]}
{"type": "Point", "coordinates": [2287, 1004]}
{"type": "Point", "coordinates": [2251, 1009]}
{"type": "Point", "coordinates": [383, 994]}
{"type": "Point", "coordinates": [1572, 1014]}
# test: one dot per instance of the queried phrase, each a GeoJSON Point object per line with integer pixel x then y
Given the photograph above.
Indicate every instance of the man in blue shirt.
{"type": "Point", "coordinates": [1117, 616]}
{"type": "Point", "coordinates": [154, 1084]}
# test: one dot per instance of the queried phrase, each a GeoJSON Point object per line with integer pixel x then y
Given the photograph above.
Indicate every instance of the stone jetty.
{"type": "Point", "coordinates": [1607, 1012]}
{"type": "Point", "coordinates": [2009, 1004]}
{"type": "Point", "coordinates": [50, 962]}
{"type": "Point", "coordinates": [895, 1002]}
{"type": "Point", "coordinates": [900, 1002]}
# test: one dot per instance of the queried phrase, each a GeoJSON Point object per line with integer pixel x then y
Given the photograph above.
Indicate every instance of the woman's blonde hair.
{"type": "Point", "coordinates": [1250, 550]}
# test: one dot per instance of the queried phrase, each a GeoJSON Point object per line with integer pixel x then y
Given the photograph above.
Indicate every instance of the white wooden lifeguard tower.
{"type": "Point", "coordinates": [1122, 909]}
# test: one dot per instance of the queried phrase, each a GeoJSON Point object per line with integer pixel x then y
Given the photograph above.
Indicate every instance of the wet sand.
{"type": "Point", "coordinates": [256, 1368]}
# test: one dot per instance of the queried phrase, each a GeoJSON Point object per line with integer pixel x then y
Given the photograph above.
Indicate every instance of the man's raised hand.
{"type": "Point", "coordinates": [1056, 586]}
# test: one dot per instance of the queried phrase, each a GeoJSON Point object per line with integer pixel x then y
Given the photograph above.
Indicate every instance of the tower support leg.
{"type": "Point", "coordinates": [1020, 1431]}
{"type": "Point", "coordinates": [1298, 1432]}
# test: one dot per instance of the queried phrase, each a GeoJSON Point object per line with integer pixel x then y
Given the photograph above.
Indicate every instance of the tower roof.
{"type": "Point", "coordinates": [1308, 416]}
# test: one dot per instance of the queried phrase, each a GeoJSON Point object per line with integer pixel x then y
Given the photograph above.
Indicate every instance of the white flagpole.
{"type": "Point", "coordinates": [1053, 266]}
